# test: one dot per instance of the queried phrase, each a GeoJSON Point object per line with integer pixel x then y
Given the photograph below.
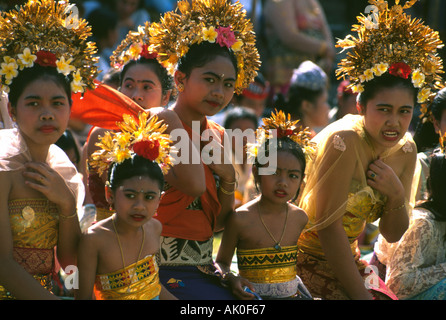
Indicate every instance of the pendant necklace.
{"type": "Point", "coordinates": [277, 245]}
{"type": "Point", "coordinates": [122, 254]}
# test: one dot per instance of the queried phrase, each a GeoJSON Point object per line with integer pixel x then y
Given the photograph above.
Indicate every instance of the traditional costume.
{"type": "Point", "coordinates": [403, 47]}
{"type": "Point", "coordinates": [186, 250]}
{"type": "Point", "coordinates": [41, 32]}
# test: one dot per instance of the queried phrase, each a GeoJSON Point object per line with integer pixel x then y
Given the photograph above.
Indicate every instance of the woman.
{"type": "Point", "coordinates": [207, 70]}
{"type": "Point", "coordinates": [421, 275]}
{"type": "Point", "coordinates": [365, 163]}
{"type": "Point", "coordinates": [40, 189]}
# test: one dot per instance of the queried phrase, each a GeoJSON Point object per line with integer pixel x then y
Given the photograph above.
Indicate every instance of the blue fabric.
{"type": "Point", "coordinates": [189, 283]}
{"type": "Point", "coordinates": [436, 292]}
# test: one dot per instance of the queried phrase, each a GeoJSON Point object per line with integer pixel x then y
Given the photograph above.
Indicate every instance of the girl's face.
{"type": "Point", "coordinates": [387, 117]}
{"type": "Point", "coordinates": [42, 112]}
{"type": "Point", "coordinates": [142, 85]}
{"type": "Point", "coordinates": [208, 89]}
{"type": "Point", "coordinates": [317, 115]}
{"type": "Point", "coordinates": [136, 200]}
{"type": "Point", "coordinates": [284, 184]}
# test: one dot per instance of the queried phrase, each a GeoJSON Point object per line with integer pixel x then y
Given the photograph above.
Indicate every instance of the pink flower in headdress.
{"type": "Point", "coordinates": [46, 59]}
{"type": "Point", "coordinates": [226, 37]}
{"type": "Point", "coordinates": [400, 69]}
{"type": "Point", "coordinates": [146, 54]}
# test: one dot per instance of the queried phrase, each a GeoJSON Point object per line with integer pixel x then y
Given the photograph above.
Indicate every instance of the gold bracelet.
{"type": "Point", "coordinates": [226, 191]}
{"type": "Point", "coordinates": [68, 217]}
{"type": "Point", "coordinates": [227, 182]}
{"type": "Point", "coordinates": [397, 208]}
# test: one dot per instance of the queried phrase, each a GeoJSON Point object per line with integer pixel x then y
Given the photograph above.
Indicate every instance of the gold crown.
{"type": "Point", "coordinates": [279, 126]}
{"type": "Point", "coordinates": [216, 21]}
{"type": "Point", "coordinates": [44, 32]}
{"type": "Point", "coordinates": [144, 137]}
{"type": "Point", "coordinates": [391, 41]}
{"type": "Point", "coordinates": [135, 45]}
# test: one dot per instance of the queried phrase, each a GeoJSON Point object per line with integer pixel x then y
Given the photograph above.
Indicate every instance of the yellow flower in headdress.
{"type": "Point", "coordinates": [237, 46]}
{"type": "Point", "coordinates": [141, 136]}
{"type": "Point", "coordinates": [64, 66]}
{"type": "Point", "coordinates": [27, 58]}
{"type": "Point", "coordinates": [418, 78]}
{"type": "Point", "coordinates": [134, 50]}
{"type": "Point", "coordinates": [209, 34]}
{"type": "Point", "coordinates": [380, 68]}
{"type": "Point", "coordinates": [9, 69]}
{"type": "Point", "coordinates": [368, 74]}
{"type": "Point", "coordinates": [424, 94]}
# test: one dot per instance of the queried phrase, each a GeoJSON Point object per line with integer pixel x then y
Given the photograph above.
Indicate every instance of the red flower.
{"type": "Point", "coordinates": [146, 54]}
{"type": "Point", "coordinates": [400, 69]}
{"type": "Point", "coordinates": [46, 58]}
{"type": "Point", "coordinates": [284, 133]}
{"type": "Point", "coordinates": [226, 37]}
{"type": "Point", "coordinates": [147, 149]}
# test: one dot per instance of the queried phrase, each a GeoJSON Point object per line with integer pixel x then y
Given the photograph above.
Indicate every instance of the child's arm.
{"type": "Point", "coordinates": [224, 259]}
{"type": "Point", "coordinates": [12, 275]}
{"type": "Point", "coordinates": [87, 265]}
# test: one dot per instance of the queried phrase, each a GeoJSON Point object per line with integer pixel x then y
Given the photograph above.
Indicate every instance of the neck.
{"type": "Point", "coordinates": [186, 114]}
{"type": "Point", "coordinates": [39, 153]}
{"type": "Point", "coordinates": [269, 207]}
{"type": "Point", "coordinates": [123, 228]}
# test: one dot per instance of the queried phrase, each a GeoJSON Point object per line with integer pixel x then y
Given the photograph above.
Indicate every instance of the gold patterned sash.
{"type": "Point", "coordinates": [268, 265]}
{"type": "Point", "coordinates": [138, 281]}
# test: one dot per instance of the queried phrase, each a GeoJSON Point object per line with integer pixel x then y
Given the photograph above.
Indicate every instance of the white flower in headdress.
{"type": "Point", "coordinates": [27, 58]}
{"type": "Point", "coordinates": [64, 67]}
{"type": "Point", "coordinates": [418, 78]}
{"type": "Point", "coordinates": [380, 68]}
{"type": "Point", "coordinates": [77, 85]}
{"type": "Point", "coordinates": [9, 69]}
{"type": "Point", "coordinates": [368, 74]}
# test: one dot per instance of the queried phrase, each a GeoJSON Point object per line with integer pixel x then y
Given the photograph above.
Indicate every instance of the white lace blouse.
{"type": "Point", "coordinates": [419, 260]}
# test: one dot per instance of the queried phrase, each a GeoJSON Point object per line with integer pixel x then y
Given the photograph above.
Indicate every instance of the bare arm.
{"type": "Point", "coordinates": [87, 265]}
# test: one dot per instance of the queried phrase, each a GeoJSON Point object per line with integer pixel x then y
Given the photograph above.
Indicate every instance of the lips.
{"type": "Point", "coordinates": [214, 104]}
{"type": "Point", "coordinates": [47, 129]}
{"type": "Point", "coordinates": [138, 217]}
{"type": "Point", "coordinates": [390, 135]}
{"type": "Point", "coordinates": [280, 193]}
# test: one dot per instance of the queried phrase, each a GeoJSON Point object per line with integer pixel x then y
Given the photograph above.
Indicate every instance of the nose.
{"type": "Point", "coordinates": [392, 121]}
{"type": "Point", "coordinates": [137, 96]}
{"type": "Point", "coordinates": [46, 115]}
{"type": "Point", "coordinates": [282, 180]}
{"type": "Point", "coordinates": [218, 91]}
{"type": "Point", "coordinates": [139, 204]}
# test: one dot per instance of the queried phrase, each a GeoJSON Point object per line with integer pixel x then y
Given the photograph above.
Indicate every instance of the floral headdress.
{"type": "Point", "coordinates": [44, 32]}
{"type": "Point", "coordinates": [135, 45]}
{"type": "Point", "coordinates": [144, 137]}
{"type": "Point", "coordinates": [390, 41]}
{"type": "Point", "coordinates": [279, 126]}
{"type": "Point", "coordinates": [215, 21]}
{"type": "Point", "coordinates": [443, 142]}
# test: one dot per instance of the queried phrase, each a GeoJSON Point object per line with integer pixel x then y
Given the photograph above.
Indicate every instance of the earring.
{"type": "Point", "coordinates": [180, 87]}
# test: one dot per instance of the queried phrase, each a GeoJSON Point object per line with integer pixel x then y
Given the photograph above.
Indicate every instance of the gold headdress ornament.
{"type": "Point", "coordinates": [144, 137]}
{"type": "Point", "coordinates": [390, 41]}
{"type": "Point", "coordinates": [443, 142]}
{"type": "Point", "coordinates": [279, 126]}
{"type": "Point", "coordinates": [215, 21]}
{"type": "Point", "coordinates": [44, 32]}
{"type": "Point", "coordinates": [135, 45]}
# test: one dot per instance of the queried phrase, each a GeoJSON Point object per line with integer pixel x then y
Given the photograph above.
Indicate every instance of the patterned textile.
{"type": "Point", "coordinates": [182, 252]}
{"type": "Point", "coordinates": [34, 224]}
{"type": "Point", "coordinates": [138, 281]}
{"type": "Point", "coordinates": [418, 262]}
{"type": "Point", "coordinates": [272, 272]}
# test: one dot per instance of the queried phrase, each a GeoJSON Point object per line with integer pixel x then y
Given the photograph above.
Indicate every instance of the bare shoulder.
{"type": "Point", "coordinates": [245, 213]}
{"type": "Point", "coordinates": [154, 226]}
{"type": "Point", "coordinates": [98, 234]}
{"type": "Point", "coordinates": [297, 214]}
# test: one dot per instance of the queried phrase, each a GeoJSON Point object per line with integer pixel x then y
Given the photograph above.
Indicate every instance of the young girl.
{"type": "Point", "coordinates": [210, 48]}
{"type": "Point", "coordinates": [143, 80]}
{"type": "Point", "coordinates": [40, 188]}
{"type": "Point", "coordinates": [117, 255]}
{"type": "Point", "coordinates": [365, 164]}
{"type": "Point", "coordinates": [421, 275]}
{"type": "Point", "coordinates": [265, 230]}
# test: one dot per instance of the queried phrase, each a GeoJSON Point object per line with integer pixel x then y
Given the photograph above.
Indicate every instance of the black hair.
{"type": "Point", "coordinates": [133, 167]}
{"type": "Point", "coordinates": [237, 113]}
{"type": "Point", "coordinates": [285, 144]}
{"type": "Point", "coordinates": [386, 81]}
{"type": "Point", "coordinates": [102, 20]}
{"type": "Point", "coordinates": [164, 77]}
{"type": "Point", "coordinates": [436, 187]}
{"type": "Point", "coordinates": [67, 142]}
{"type": "Point", "coordinates": [425, 136]}
{"type": "Point", "coordinates": [28, 75]}
{"type": "Point", "coordinates": [296, 96]}
{"type": "Point", "coordinates": [200, 54]}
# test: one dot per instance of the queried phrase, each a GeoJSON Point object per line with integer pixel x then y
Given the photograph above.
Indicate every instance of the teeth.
{"type": "Point", "coordinates": [390, 134]}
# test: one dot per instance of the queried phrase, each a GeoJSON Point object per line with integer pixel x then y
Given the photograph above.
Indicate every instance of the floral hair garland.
{"type": "Point", "coordinates": [42, 32]}
{"type": "Point", "coordinates": [144, 137]}
{"type": "Point", "coordinates": [396, 44]}
{"type": "Point", "coordinates": [279, 126]}
{"type": "Point", "coordinates": [135, 45]}
{"type": "Point", "coordinates": [214, 21]}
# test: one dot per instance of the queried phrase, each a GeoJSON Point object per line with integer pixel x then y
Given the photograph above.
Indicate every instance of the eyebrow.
{"type": "Point", "coordinates": [143, 81]}
{"type": "Point", "coordinates": [218, 76]}
{"type": "Point", "coordinates": [40, 98]}
{"type": "Point", "coordinates": [135, 191]}
{"type": "Point", "coordinates": [391, 106]}
{"type": "Point", "coordinates": [290, 170]}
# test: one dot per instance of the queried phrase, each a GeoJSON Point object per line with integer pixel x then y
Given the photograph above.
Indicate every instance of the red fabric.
{"type": "Point", "coordinates": [183, 223]}
{"type": "Point", "coordinates": [103, 107]}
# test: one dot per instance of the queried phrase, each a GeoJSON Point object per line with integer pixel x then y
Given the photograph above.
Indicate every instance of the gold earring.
{"type": "Point", "coordinates": [180, 87]}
